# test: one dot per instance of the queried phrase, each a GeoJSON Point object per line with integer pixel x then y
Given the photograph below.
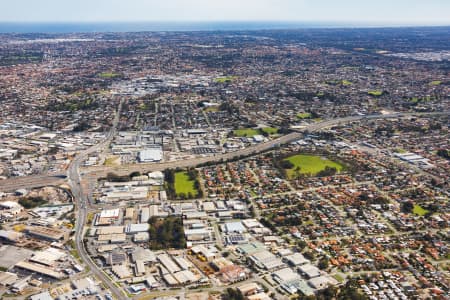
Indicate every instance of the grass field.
{"type": "Point", "coordinates": [270, 130]}
{"type": "Point", "coordinates": [303, 115]}
{"type": "Point", "coordinates": [248, 132]}
{"type": "Point", "coordinates": [225, 79]}
{"type": "Point", "coordinates": [436, 82]}
{"type": "Point", "coordinates": [108, 75]}
{"type": "Point", "coordinates": [310, 164]}
{"type": "Point", "coordinates": [346, 82]}
{"type": "Point", "coordinates": [376, 93]}
{"type": "Point", "coordinates": [419, 210]}
{"type": "Point", "coordinates": [183, 185]}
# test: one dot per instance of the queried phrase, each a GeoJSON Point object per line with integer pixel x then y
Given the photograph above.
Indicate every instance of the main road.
{"type": "Point", "coordinates": [82, 206]}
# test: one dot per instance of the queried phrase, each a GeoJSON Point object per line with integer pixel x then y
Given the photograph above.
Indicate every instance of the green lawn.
{"type": "Point", "coordinates": [338, 278]}
{"type": "Point", "coordinates": [225, 79]}
{"type": "Point", "coordinates": [270, 130]}
{"type": "Point", "coordinates": [376, 93]}
{"type": "Point", "coordinates": [310, 164]}
{"type": "Point", "coordinates": [346, 82]}
{"type": "Point", "coordinates": [108, 75]}
{"type": "Point", "coordinates": [248, 132]}
{"type": "Point", "coordinates": [183, 185]}
{"type": "Point", "coordinates": [303, 115]}
{"type": "Point", "coordinates": [419, 210]}
{"type": "Point", "coordinates": [436, 82]}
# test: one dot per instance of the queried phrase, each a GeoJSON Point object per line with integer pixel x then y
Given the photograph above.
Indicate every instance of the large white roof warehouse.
{"type": "Point", "coordinates": [150, 155]}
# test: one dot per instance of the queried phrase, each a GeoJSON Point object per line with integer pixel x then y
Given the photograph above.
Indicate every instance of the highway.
{"type": "Point", "coordinates": [29, 182]}
{"type": "Point", "coordinates": [81, 203]}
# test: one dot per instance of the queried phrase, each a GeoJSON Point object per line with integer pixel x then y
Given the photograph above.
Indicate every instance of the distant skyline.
{"type": "Point", "coordinates": [379, 12]}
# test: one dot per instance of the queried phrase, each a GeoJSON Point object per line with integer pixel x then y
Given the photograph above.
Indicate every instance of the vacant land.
{"type": "Point", "coordinates": [184, 185]}
{"type": "Point", "coordinates": [112, 161]}
{"type": "Point", "coordinates": [310, 164]}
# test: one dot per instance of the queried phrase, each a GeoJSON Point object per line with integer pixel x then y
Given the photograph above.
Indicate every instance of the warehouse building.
{"type": "Point", "coordinates": [150, 155]}
{"type": "Point", "coordinates": [47, 233]}
{"type": "Point", "coordinates": [40, 269]}
{"type": "Point", "coordinates": [309, 271]}
{"type": "Point", "coordinates": [265, 260]}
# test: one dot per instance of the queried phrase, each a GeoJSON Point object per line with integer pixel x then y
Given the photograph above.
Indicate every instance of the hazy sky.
{"type": "Point", "coordinates": [367, 11]}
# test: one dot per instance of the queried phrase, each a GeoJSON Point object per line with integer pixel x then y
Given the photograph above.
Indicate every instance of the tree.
{"type": "Point", "coordinates": [407, 207]}
{"type": "Point", "coordinates": [297, 171]}
{"type": "Point", "coordinates": [323, 263]}
{"type": "Point", "coordinates": [328, 171]}
{"type": "Point", "coordinates": [232, 294]}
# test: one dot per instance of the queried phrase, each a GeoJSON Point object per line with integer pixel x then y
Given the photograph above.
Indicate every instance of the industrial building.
{"type": "Point", "coordinates": [150, 155]}
{"type": "Point", "coordinates": [47, 233]}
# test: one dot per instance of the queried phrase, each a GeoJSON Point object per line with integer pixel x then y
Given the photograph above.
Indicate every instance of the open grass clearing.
{"type": "Point", "coordinates": [246, 132]}
{"type": "Point", "coordinates": [183, 184]}
{"type": "Point", "coordinates": [310, 164]}
{"type": "Point", "coordinates": [225, 79]}
{"type": "Point", "coordinates": [419, 210]}
{"type": "Point", "coordinates": [304, 115]}
{"type": "Point", "coordinates": [375, 93]}
{"type": "Point", "coordinates": [270, 130]}
{"type": "Point", "coordinates": [108, 75]}
{"type": "Point", "coordinates": [346, 82]}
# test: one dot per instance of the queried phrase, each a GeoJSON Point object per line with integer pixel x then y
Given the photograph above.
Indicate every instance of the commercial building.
{"type": "Point", "coordinates": [309, 271]}
{"type": "Point", "coordinates": [296, 259]}
{"type": "Point", "coordinates": [135, 228]}
{"type": "Point", "coordinates": [265, 260]}
{"type": "Point", "coordinates": [47, 233]}
{"type": "Point", "coordinates": [40, 269]}
{"type": "Point", "coordinates": [234, 227]}
{"type": "Point", "coordinates": [121, 271]}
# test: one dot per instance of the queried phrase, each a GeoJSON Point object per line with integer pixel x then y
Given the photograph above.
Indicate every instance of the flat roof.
{"type": "Point", "coordinates": [151, 155]}
{"type": "Point", "coordinates": [286, 275]}
{"type": "Point", "coordinates": [11, 255]}
{"type": "Point", "coordinates": [234, 227]}
{"type": "Point", "coordinates": [310, 270]}
{"type": "Point", "coordinates": [110, 230]}
{"type": "Point", "coordinates": [40, 269]}
{"type": "Point", "coordinates": [297, 259]}
{"type": "Point", "coordinates": [110, 213]}
{"type": "Point", "coordinates": [133, 228]}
